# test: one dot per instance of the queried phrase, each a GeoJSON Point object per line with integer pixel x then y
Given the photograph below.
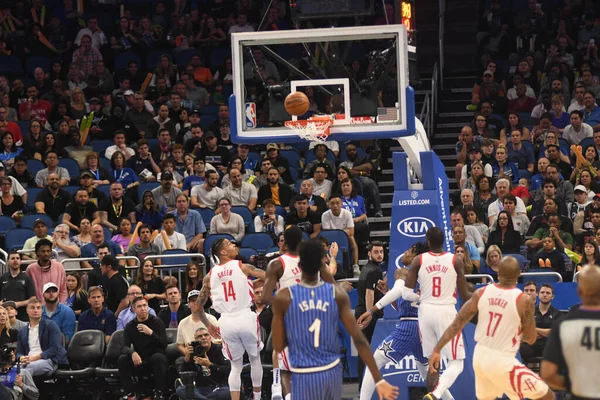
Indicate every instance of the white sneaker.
{"type": "Point", "coordinates": [356, 270]}
{"type": "Point", "coordinates": [276, 393]}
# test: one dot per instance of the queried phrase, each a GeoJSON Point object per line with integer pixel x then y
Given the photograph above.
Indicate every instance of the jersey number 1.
{"type": "Point", "coordinates": [228, 290]}
{"type": "Point", "coordinates": [315, 329]}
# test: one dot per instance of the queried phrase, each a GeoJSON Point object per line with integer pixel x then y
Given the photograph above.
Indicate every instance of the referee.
{"type": "Point", "coordinates": [574, 343]}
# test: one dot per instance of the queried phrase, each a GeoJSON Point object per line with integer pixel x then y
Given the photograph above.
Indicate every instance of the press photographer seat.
{"type": "Point", "coordinates": [85, 353]}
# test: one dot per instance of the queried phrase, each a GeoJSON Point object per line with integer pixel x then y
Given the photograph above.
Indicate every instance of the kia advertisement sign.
{"type": "Point", "coordinates": [415, 227]}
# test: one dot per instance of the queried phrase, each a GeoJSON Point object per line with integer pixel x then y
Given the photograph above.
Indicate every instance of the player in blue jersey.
{"type": "Point", "coordinates": [305, 317]}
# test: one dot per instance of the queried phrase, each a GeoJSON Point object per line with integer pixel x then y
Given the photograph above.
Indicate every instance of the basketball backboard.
{"type": "Point", "coordinates": [358, 75]}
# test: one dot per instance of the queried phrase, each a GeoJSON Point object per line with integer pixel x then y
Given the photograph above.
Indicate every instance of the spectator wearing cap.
{"type": "Point", "coordinates": [161, 121]}
{"type": "Point", "coordinates": [20, 173]}
{"type": "Point", "coordinates": [41, 178]}
{"type": "Point", "coordinates": [487, 88]}
{"type": "Point", "coordinates": [47, 270]}
{"type": "Point", "coordinates": [214, 154]}
{"type": "Point", "coordinates": [40, 230]}
{"type": "Point", "coordinates": [16, 188]}
{"type": "Point", "coordinates": [116, 287]}
{"type": "Point", "coordinates": [119, 140]}
{"type": "Point", "coordinates": [189, 223]}
{"type": "Point", "coordinates": [279, 163]}
{"type": "Point", "coordinates": [75, 149]}
{"type": "Point", "coordinates": [86, 181]}
{"type": "Point", "coordinates": [11, 310]}
{"type": "Point", "coordinates": [61, 314]}
{"type": "Point", "coordinates": [243, 150]}
{"type": "Point", "coordinates": [39, 346]}
{"type": "Point", "coordinates": [143, 164]}
{"type": "Point", "coordinates": [165, 196]}
{"type": "Point", "coordinates": [207, 195]}
{"type": "Point", "coordinates": [577, 130]}
{"type": "Point", "coordinates": [128, 314]}
{"type": "Point", "coordinates": [582, 200]}
{"type": "Point", "coordinates": [97, 317]}
{"type": "Point", "coordinates": [191, 323]}
{"type": "Point", "coordinates": [52, 200]}
{"type": "Point", "coordinates": [16, 286]}
{"type": "Point", "coordinates": [80, 208]}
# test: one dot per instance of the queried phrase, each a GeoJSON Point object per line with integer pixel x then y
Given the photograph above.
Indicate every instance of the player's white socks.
{"type": "Point", "coordinates": [256, 395]}
{"type": "Point", "coordinates": [288, 396]}
{"type": "Point", "coordinates": [447, 378]}
{"type": "Point", "coordinates": [368, 384]}
{"type": "Point", "coordinates": [276, 390]}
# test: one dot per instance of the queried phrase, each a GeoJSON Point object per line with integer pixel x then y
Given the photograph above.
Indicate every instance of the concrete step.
{"type": "Point", "coordinates": [380, 234]}
{"type": "Point", "coordinates": [374, 220]}
{"type": "Point", "coordinates": [462, 114]}
{"type": "Point", "coordinates": [458, 125]}
{"type": "Point", "coordinates": [444, 147]}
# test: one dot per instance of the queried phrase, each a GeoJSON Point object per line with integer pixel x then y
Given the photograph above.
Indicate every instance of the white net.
{"type": "Point", "coordinates": [313, 131]}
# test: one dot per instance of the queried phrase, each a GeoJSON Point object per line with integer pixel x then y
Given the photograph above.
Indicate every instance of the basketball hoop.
{"type": "Point", "coordinates": [315, 129]}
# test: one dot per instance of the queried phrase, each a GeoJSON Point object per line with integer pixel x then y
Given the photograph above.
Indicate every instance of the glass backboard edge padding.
{"type": "Point", "coordinates": [294, 85]}
{"type": "Point", "coordinates": [350, 132]}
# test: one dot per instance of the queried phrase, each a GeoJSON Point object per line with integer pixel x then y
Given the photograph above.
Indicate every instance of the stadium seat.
{"type": "Point", "coordinates": [146, 186]}
{"type": "Point", "coordinates": [29, 220]}
{"type": "Point", "coordinates": [122, 60]}
{"type": "Point", "coordinates": [15, 238]}
{"type": "Point", "coordinates": [107, 233]}
{"type": "Point", "coordinates": [310, 156]}
{"type": "Point", "coordinates": [218, 57]}
{"type": "Point", "coordinates": [71, 166]}
{"type": "Point", "coordinates": [104, 189]}
{"type": "Point", "coordinates": [34, 62]}
{"type": "Point", "coordinates": [109, 371]}
{"type": "Point", "coordinates": [85, 353]}
{"type": "Point", "coordinates": [247, 252]}
{"type": "Point", "coordinates": [183, 58]}
{"type": "Point", "coordinates": [32, 194]}
{"type": "Point", "coordinates": [520, 258]}
{"type": "Point", "coordinates": [278, 210]}
{"type": "Point", "coordinates": [71, 189]}
{"type": "Point", "coordinates": [33, 166]}
{"type": "Point", "coordinates": [209, 110]}
{"type": "Point", "coordinates": [292, 156]}
{"type": "Point", "coordinates": [259, 241]}
{"type": "Point", "coordinates": [245, 213]}
{"type": "Point", "coordinates": [104, 163]}
{"type": "Point", "coordinates": [341, 238]}
{"type": "Point", "coordinates": [360, 152]}
{"type": "Point", "coordinates": [6, 223]}
{"type": "Point", "coordinates": [153, 58]}
{"type": "Point", "coordinates": [206, 121]}
{"type": "Point", "coordinates": [11, 65]}
{"type": "Point", "coordinates": [207, 216]}
{"type": "Point", "coordinates": [100, 146]}
{"type": "Point", "coordinates": [586, 143]}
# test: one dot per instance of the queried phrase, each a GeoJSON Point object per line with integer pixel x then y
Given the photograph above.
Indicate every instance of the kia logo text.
{"type": "Point", "coordinates": [415, 227]}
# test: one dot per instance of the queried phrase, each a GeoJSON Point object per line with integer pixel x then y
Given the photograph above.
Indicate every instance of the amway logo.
{"type": "Point", "coordinates": [415, 227]}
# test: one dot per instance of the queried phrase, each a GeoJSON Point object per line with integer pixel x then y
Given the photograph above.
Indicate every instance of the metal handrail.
{"type": "Point", "coordinates": [78, 260]}
{"type": "Point", "coordinates": [442, 5]}
{"type": "Point", "coordinates": [426, 113]}
{"type": "Point", "coordinates": [22, 251]}
{"type": "Point", "coordinates": [575, 276]}
{"type": "Point", "coordinates": [195, 255]}
{"type": "Point", "coordinates": [549, 273]}
{"type": "Point", "coordinates": [486, 276]}
{"type": "Point", "coordinates": [434, 91]}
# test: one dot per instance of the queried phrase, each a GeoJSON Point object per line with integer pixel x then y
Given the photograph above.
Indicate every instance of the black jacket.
{"type": "Point", "coordinates": [219, 370]}
{"type": "Point", "coordinates": [145, 345]}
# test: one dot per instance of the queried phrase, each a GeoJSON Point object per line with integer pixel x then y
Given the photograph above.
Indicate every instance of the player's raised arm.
{"type": "Point", "coordinates": [384, 389]}
{"type": "Point", "coordinates": [281, 303]}
{"type": "Point", "coordinates": [273, 274]}
{"type": "Point", "coordinates": [251, 270]}
{"type": "Point", "coordinates": [202, 299]}
{"type": "Point", "coordinates": [461, 281]}
{"type": "Point", "coordinates": [526, 308]}
{"type": "Point", "coordinates": [389, 298]}
{"type": "Point", "coordinates": [465, 314]}
{"type": "Point", "coordinates": [408, 292]}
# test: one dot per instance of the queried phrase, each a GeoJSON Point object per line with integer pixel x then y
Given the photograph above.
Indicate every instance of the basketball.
{"type": "Point", "coordinates": [296, 103]}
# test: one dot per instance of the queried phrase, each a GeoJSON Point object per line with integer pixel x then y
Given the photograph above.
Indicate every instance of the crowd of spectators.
{"type": "Point", "coordinates": [522, 185]}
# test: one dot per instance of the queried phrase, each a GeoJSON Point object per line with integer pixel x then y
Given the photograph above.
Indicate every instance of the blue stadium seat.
{"type": "Point", "coordinates": [246, 214]}
{"type": "Point", "coordinates": [104, 189]}
{"type": "Point", "coordinates": [184, 57]}
{"type": "Point", "coordinates": [247, 252]}
{"type": "Point", "coordinates": [255, 157]}
{"type": "Point", "coordinates": [209, 110]}
{"type": "Point", "coordinates": [29, 220]}
{"type": "Point", "coordinates": [295, 173]}
{"type": "Point", "coordinates": [218, 57]}
{"type": "Point", "coordinates": [32, 194]}
{"type": "Point", "coordinates": [586, 143]}
{"type": "Point", "coordinates": [310, 156]}
{"type": "Point", "coordinates": [292, 156]}
{"type": "Point", "coordinates": [278, 210]}
{"type": "Point", "coordinates": [16, 238]}
{"type": "Point", "coordinates": [360, 152]}
{"type": "Point", "coordinates": [341, 238]}
{"type": "Point", "coordinates": [540, 279]}
{"type": "Point", "coordinates": [11, 65]}
{"type": "Point", "coordinates": [71, 190]}
{"type": "Point", "coordinates": [99, 146]}
{"type": "Point", "coordinates": [6, 223]}
{"type": "Point", "coordinates": [122, 60]}
{"type": "Point", "coordinates": [33, 166]}
{"type": "Point", "coordinates": [207, 216]}
{"type": "Point", "coordinates": [520, 258]}
{"type": "Point", "coordinates": [107, 234]}
{"type": "Point", "coordinates": [71, 166]}
{"type": "Point", "coordinates": [153, 58]}
{"type": "Point", "coordinates": [206, 121]}
{"type": "Point", "coordinates": [259, 241]}
{"type": "Point", "coordinates": [34, 62]}
{"type": "Point", "coordinates": [105, 163]}
{"type": "Point", "coordinates": [146, 186]}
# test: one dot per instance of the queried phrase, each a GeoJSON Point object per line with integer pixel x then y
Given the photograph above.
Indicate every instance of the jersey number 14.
{"type": "Point", "coordinates": [228, 290]}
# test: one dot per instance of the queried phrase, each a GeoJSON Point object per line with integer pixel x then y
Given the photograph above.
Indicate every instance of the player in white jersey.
{"type": "Point", "coordinates": [284, 272]}
{"type": "Point", "coordinates": [439, 274]}
{"type": "Point", "coordinates": [506, 317]}
{"type": "Point", "coordinates": [232, 294]}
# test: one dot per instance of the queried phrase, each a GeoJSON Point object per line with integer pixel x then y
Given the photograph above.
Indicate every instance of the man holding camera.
{"type": "Point", "coordinates": [15, 384]}
{"type": "Point", "coordinates": [210, 370]}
